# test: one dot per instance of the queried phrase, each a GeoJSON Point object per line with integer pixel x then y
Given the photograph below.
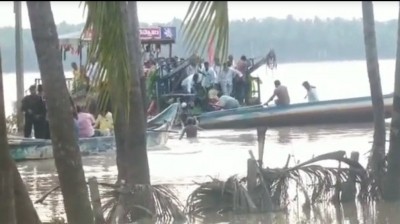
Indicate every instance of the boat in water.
{"type": "Point", "coordinates": [312, 113]}
{"type": "Point", "coordinates": [157, 136]}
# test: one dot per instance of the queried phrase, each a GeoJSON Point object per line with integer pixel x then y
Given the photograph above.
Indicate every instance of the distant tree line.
{"type": "Point", "coordinates": [293, 40]}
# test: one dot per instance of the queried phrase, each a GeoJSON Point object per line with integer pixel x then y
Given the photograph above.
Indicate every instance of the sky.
{"type": "Point", "coordinates": [153, 11]}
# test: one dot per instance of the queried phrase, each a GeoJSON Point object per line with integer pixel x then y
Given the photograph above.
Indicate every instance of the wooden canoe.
{"type": "Point", "coordinates": [323, 112]}
{"type": "Point", "coordinates": [157, 136]}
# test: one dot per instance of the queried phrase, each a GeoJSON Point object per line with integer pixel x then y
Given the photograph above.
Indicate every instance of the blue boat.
{"type": "Point", "coordinates": [323, 112]}
{"type": "Point", "coordinates": [157, 136]}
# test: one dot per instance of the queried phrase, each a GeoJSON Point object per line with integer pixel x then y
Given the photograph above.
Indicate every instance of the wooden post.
{"type": "Point", "coordinates": [170, 50]}
{"type": "Point", "coordinates": [19, 63]}
{"type": "Point", "coordinates": [349, 189]}
{"type": "Point", "coordinates": [251, 175]}
{"type": "Point", "coordinates": [96, 202]}
{"type": "Point", "coordinates": [261, 143]}
{"type": "Point", "coordinates": [266, 204]}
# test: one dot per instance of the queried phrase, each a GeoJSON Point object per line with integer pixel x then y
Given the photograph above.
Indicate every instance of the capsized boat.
{"type": "Point", "coordinates": [157, 136]}
{"type": "Point", "coordinates": [323, 112]}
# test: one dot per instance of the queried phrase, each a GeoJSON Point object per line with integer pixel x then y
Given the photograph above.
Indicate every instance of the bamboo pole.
{"type": "Point", "coordinates": [19, 63]}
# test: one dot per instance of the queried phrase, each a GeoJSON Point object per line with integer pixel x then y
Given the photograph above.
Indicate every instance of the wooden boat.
{"type": "Point", "coordinates": [157, 136]}
{"type": "Point", "coordinates": [323, 112]}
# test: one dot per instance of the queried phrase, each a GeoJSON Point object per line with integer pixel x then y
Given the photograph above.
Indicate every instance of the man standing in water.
{"type": "Point", "coordinates": [31, 106]}
{"type": "Point", "coordinates": [281, 93]}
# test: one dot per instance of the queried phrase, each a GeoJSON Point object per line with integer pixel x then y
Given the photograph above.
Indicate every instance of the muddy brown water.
{"type": "Point", "coordinates": [224, 153]}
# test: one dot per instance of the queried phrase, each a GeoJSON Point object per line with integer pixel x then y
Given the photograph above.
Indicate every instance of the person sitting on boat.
{"type": "Point", "coordinates": [281, 93]}
{"type": "Point", "coordinates": [225, 78]}
{"type": "Point", "coordinates": [224, 102]}
{"type": "Point", "coordinates": [311, 92]}
{"type": "Point", "coordinates": [86, 123]}
{"type": "Point", "coordinates": [104, 123]}
{"type": "Point", "coordinates": [190, 129]}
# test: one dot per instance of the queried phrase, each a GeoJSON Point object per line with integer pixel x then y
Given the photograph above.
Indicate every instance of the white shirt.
{"type": "Point", "coordinates": [209, 78]}
{"type": "Point", "coordinates": [190, 70]}
{"type": "Point", "coordinates": [217, 70]}
{"type": "Point", "coordinates": [228, 75]}
{"type": "Point", "coordinates": [312, 95]}
{"type": "Point", "coordinates": [188, 83]}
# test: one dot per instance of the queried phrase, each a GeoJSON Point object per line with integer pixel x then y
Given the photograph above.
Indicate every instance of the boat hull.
{"type": "Point", "coordinates": [323, 112]}
{"type": "Point", "coordinates": [34, 149]}
{"type": "Point", "coordinates": [43, 149]}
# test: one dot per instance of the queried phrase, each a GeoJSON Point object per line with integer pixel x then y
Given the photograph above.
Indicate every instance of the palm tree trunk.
{"type": "Point", "coordinates": [391, 191]}
{"type": "Point", "coordinates": [378, 147]}
{"type": "Point", "coordinates": [135, 149]}
{"type": "Point", "coordinates": [7, 201]}
{"type": "Point", "coordinates": [120, 132]}
{"type": "Point", "coordinates": [15, 206]}
{"type": "Point", "coordinates": [65, 147]}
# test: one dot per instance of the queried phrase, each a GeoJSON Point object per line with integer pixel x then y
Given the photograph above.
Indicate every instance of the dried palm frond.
{"type": "Point", "coordinates": [218, 196]}
{"type": "Point", "coordinates": [167, 207]}
{"type": "Point", "coordinates": [314, 181]}
{"type": "Point", "coordinates": [205, 22]}
{"type": "Point", "coordinates": [318, 179]}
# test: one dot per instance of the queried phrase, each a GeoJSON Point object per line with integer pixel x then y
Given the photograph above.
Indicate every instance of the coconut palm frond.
{"type": "Point", "coordinates": [219, 197]}
{"type": "Point", "coordinates": [314, 182]}
{"type": "Point", "coordinates": [206, 21]}
{"type": "Point", "coordinates": [109, 50]}
{"type": "Point", "coordinates": [321, 181]}
{"type": "Point", "coordinates": [167, 207]}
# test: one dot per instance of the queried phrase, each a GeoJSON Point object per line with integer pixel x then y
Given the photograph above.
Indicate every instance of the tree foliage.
{"type": "Point", "coordinates": [293, 40]}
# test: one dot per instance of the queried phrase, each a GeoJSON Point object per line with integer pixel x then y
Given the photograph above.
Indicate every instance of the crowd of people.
{"type": "Point", "coordinates": [35, 110]}
{"type": "Point", "coordinates": [218, 85]}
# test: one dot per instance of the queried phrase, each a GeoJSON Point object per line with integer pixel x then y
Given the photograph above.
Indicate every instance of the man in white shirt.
{"type": "Point", "coordinates": [189, 82]}
{"type": "Point", "coordinates": [208, 76]}
{"type": "Point", "coordinates": [225, 79]}
{"type": "Point", "coordinates": [311, 92]}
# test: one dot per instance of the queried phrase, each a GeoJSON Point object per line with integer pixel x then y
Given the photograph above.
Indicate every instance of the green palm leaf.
{"type": "Point", "coordinates": [206, 20]}
{"type": "Point", "coordinates": [108, 48]}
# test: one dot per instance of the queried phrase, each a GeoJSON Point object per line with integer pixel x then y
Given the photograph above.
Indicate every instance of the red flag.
{"type": "Point", "coordinates": [211, 51]}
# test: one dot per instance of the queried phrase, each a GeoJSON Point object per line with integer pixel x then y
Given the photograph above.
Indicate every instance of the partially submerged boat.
{"type": "Point", "coordinates": [323, 112]}
{"type": "Point", "coordinates": [157, 136]}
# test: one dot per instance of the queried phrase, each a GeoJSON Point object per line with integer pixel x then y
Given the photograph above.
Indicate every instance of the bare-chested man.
{"type": "Point", "coordinates": [281, 93]}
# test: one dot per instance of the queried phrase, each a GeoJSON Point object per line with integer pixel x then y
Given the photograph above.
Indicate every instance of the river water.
{"type": "Point", "coordinates": [224, 153]}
